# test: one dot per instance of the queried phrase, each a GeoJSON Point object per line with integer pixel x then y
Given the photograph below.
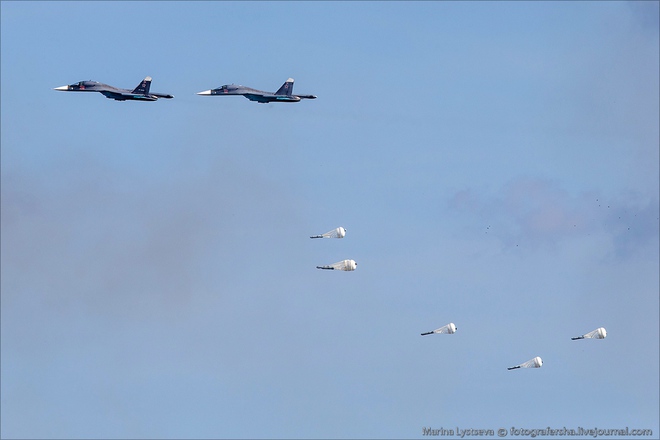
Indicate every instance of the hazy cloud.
{"type": "Point", "coordinates": [646, 14]}
{"type": "Point", "coordinates": [540, 212]}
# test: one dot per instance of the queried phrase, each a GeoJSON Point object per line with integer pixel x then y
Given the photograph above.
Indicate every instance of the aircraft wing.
{"type": "Point", "coordinates": [118, 96]}
{"type": "Point", "coordinates": [127, 96]}
{"type": "Point", "coordinates": [255, 97]}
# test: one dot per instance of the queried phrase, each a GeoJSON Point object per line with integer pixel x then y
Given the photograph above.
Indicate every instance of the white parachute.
{"type": "Point", "coordinates": [346, 265]}
{"type": "Point", "coordinates": [537, 362]}
{"type": "Point", "coordinates": [599, 333]}
{"type": "Point", "coordinates": [446, 329]}
{"type": "Point", "coordinates": [335, 233]}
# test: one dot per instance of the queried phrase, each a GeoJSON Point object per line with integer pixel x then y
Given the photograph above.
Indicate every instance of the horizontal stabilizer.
{"type": "Point", "coordinates": [162, 95]}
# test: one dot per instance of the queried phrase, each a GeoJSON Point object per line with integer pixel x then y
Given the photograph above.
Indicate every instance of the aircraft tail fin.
{"type": "Point", "coordinates": [143, 88]}
{"type": "Point", "coordinates": [286, 89]}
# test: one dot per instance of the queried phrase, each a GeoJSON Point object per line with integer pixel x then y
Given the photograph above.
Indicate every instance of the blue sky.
{"type": "Point", "coordinates": [495, 165]}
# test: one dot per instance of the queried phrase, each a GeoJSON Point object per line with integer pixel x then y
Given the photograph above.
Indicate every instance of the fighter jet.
{"type": "Point", "coordinates": [140, 93]}
{"type": "Point", "coordinates": [283, 94]}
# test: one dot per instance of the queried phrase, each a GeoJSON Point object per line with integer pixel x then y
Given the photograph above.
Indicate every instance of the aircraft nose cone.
{"type": "Point", "coordinates": [205, 92]}
{"type": "Point", "coordinates": [62, 88]}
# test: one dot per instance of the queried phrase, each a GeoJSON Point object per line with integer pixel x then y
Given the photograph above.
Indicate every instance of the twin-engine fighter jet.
{"type": "Point", "coordinates": [284, 94]}
{"type": "Point", "coordinates": [140, 93]}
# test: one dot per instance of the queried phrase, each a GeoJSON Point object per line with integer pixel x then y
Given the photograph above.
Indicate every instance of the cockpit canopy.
{"type": "Point", "coordinates": [85, 84]}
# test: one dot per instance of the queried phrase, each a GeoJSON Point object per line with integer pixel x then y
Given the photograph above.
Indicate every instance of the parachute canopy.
{"type": "Point", "coordinates": [347, 265]}
{"type": "Point", "coordinates": [599, 333]}
{"type": "Point", "coordinates": [335, 233]}
{"type": "Point", "coordinates": [446, 329]}
{"type": "Point", "coordinates": [537, 362]}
